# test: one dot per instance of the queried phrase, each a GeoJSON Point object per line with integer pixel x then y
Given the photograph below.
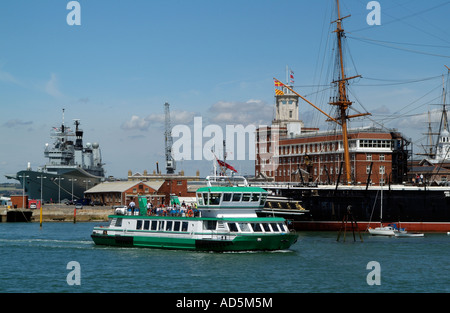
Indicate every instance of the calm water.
{"type": "Point", "coordinates": [35, 260]}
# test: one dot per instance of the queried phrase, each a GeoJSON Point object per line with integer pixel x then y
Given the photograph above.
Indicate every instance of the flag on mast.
{"type": "Point", "coordinates": [223, 164]}
{"type": "Point", "coordinates": [278, 84]}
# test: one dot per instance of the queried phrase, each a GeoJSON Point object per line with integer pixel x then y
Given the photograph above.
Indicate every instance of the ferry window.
{"type": "Point", "coordinates": [215, 198]}
{"type": "Point", "coordinates": [226, 197]}
{"type": "Point", "coordinates": [232, 227]}
{"type": "Point", "coordinates": [184, 226]}
{"type": "Point", "coordinates": [146, 225]}
{"type": "Point", "coordinates": [274, 227]}
{"type": "Point", "coordinates": [246, 197]}
{"type": "Point", "coordinates": [266, 227]}
{"type": "Point", "coordinates": [154, 225]}
{"type": "Point", "coordinates": [169, 225]}
{"type": "Point", "coordinates": [255, 197]}
{"type": "Point", "coordinates": [205, 198]}
{"type": "Point", "coordinates": [244, 227]}
{"type": "Point", "coordinates": [139, 224]}
{"type": "Point", "coordinates": [256, 227]}
{"type": "Point", "coordinates": [209, 225]}
{"type": "Point", "coordinates": [200, 199]}
{"type": "Point", "coordinates": [281, 226]}
{"type": "Point", "coordinates": [176, 226]}
{"type": "Point", "coordinates": [237, 196]}
{"type": "Point", "coordinates": [161, 225]}
{"type": "Point", "coordinates": [119, 222]}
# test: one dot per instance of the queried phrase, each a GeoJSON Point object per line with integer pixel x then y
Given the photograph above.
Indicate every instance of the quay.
{"type": "Point", "coordinates": [57, 213]}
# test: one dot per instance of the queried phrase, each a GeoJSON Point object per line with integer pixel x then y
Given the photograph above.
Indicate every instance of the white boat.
{"type": "Point", "coordinates": [382, 230]}
{"type": "Point", "coordinates": [404, 233]}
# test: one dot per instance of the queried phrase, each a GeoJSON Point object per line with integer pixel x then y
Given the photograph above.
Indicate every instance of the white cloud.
{"type": "Point", "coordinates": [16, 122]}
{"type": "Point", "coordinates": [51, 87]}
{"type": "Point", "coordinates": [8, 78]}
{"type": "Point", "coordinates": [143, 123]}
{"type": "Point", "coordinates": [235, 112]}
{"type": "Point", "coordinates": [136, 122]}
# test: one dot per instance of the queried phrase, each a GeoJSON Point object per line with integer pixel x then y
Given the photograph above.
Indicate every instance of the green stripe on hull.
{"type": "Point", "coordinates": [240, 243]}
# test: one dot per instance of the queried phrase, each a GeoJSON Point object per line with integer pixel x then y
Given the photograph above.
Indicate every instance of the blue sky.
{"type": "Point", "coordinates": [214, 59]}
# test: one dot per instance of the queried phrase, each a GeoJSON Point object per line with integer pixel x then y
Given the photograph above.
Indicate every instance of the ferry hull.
{"type": "Point", "coordinates": [240, 243]}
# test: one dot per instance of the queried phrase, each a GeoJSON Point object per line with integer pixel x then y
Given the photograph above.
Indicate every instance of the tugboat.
{"type": "Point", "coordinates": [226, 221]}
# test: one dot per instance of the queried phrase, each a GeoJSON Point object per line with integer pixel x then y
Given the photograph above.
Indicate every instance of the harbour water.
{"type": "Point", "coordinates": [35, 259]}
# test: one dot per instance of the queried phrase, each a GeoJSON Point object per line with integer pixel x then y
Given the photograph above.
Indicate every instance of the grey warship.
{"type": "Point", "coordinates": [71, 169]}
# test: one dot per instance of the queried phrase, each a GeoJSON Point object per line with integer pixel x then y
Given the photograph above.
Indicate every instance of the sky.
{"type": "Point", "coordinates": [212, 59]}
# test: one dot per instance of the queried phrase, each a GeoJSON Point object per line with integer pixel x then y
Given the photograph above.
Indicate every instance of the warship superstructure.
{"type": "Point", "coordinates": [71, 169]}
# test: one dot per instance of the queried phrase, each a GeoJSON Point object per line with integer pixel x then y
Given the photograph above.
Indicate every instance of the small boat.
{"type": "Point", "coordinates": [226, 221]}
{"type": "Point", "coordinates": [382, 230]}
{"type": "Point", "coordinates": [406, 234]}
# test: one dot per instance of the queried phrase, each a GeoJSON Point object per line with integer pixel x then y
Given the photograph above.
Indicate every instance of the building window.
{"type": "Point", "coordinates": [382, 169]}
{"type": "Point", "coordinates": [382, 157]}
{"type": "Point", "coordinates": [368, 157]}
{"type": "Point", "coordinates": [367, 169]}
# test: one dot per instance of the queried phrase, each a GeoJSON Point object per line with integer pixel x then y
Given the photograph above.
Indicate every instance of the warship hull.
{"type": "Point", "coordinates": [67, 184]}
{"type": "Point", "coordinates": [416, 208]}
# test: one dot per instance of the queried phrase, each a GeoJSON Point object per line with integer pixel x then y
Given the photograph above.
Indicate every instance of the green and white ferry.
{"type": "Point", "coordinates": [227, 221]}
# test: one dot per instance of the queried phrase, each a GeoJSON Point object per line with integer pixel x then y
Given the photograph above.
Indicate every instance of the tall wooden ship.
{"type": "Point", "coordinates": [327, 176]}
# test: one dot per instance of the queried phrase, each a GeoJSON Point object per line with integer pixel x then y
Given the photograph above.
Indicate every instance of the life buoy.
{"type": "Point", "coordinates": [190, 213]}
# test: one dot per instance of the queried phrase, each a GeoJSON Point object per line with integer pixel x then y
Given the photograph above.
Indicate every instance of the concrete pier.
{"type": "Point", "coordinates": [59, 213]}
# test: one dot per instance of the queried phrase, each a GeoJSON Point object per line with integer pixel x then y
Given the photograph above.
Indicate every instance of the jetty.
{"type": "Point", "coordinates": [57, 213]}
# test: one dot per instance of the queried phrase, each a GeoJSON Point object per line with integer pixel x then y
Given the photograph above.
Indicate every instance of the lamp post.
{"type": "Point", "coordinates": [42, 187]}
{"type": "Point", "coordinates": [23, 189]}
{"type": "Point", "coordinates": [86, 181]}
{"type": "Point", "coordinates": [59, 188]}
{"type": "Point", "coordinates": [72, 180]}
{"type": "Point", "coordinates": [40, 207]}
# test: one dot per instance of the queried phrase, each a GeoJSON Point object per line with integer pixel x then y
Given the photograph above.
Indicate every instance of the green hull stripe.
{"type": "Point", "coordinates": [240, 243]}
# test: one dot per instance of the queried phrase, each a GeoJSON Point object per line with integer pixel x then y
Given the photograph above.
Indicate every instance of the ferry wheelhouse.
{"type": "Point", "coordinates": [227, 221]}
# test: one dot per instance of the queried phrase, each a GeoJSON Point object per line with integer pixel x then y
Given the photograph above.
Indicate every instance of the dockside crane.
{"type": "Point", "coordinates": [170, 162]}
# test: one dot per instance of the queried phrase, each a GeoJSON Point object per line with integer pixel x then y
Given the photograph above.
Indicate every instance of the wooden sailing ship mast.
{"type": "Point", "coordinates": [341, 101]}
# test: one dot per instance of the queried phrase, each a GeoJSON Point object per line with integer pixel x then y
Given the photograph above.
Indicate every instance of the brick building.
{"type": "Point", "coordinates": [289, 152]}
{"type": "Point", "coordinates": [123, 192]}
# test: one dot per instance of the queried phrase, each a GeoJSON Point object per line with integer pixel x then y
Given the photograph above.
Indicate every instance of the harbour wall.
{"type": "Point", "coordinates": [57, 213]}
